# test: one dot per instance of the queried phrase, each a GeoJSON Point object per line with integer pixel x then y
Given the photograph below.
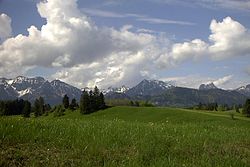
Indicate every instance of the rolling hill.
{"type": "Point", "coordinates": [127, 136]}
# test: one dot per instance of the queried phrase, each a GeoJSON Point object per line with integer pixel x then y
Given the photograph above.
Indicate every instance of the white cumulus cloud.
{"type": "Point", "coordinates": [84, 53]}
{"type": "Point", "coordinates": [229, 38]}
{"type": "Point", "coordinates": [222, 81]}
{"type": "Point", "coordinates": [5, 26]}
{"type": "Point", "coordinates": [68, 39]}
{"type": "Point", "coordinates": [183, 51]}
{"type": "Point", "coordinates": [194, 81]}
{"type": "Point", "coordinates": [87, 55]}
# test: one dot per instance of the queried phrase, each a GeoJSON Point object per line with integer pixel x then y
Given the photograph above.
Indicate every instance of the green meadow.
{"type": "Point", "coordinates": [127, 136]}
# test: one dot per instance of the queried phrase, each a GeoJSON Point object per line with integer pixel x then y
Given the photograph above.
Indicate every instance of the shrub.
{"type": "Point", "coordinates": [231, 114]}
{"type": "Point", "coordinates": [59, 111]}
{"type": "Point", "coordinates": [26, 109]}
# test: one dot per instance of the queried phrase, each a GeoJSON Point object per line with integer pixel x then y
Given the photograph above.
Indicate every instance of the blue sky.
{"type": "Point", "coordinates": [170, 26]}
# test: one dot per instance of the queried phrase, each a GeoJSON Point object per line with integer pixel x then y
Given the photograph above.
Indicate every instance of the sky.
{"type": "Point", "coordinates": [121, 42]}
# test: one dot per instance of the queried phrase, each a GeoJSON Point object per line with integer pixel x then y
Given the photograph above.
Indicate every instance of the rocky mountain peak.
{"type": "Point", "coordinates": [149, 87]}
{"type": "Point", "coordinates": [208, 86]}
{"type": "Point", "coordinates": [245, 90]}
{"type": "Point", "coordinates": [32, 88]}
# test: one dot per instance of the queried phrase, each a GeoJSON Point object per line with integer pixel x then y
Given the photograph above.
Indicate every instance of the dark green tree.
{"type": "Point", "coordinates": [47, 107]}
{"type": "Point", "coordinates": [2, 107]}
{"type": "Point", "coordinates": [73, 105]}
{"type": "Point", "coordinates": [59, 111]}
{"type": "Point", "coordinates": [216, 107]}
{"type": "Point", "coordinates": [19, 106]}
{"type": "Point", "coordinates": [36, 108]}
{"type": "Point", "coordinates": [39, 107]}
{"type": "Point", "coordinates": [85, 103]}
{"type": "Point", "coordinates": [96, 99]}
{"type": "Point", "coordinates": [92, 102]}
{"type": "Point", "coordinates": [12, 107]}
{"type": "Point", "coordinates": [26, 109]}
{"type": "Point", "coordinates": [237, 108]}
{"type": "Point", "coordinates": [41, 103]}
{"type": "Point", "coordinates": [246, 108]}
{"type": "Point", "coordinates": [200, 106]}
{"type": "Point", "coordinates": [137, 104]}
{"type": "Point", "coordinates": [66, 101]}
{"type": "Point", "coordinates": [101, 100]}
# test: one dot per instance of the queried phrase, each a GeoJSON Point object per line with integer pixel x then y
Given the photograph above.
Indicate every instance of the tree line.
{"type": "Point", "coordinates": [23, 107]}
{"type": "Point", "coordinates": [92, 101]}
{"type": "Point", "coordinates": [246, 108]}
{"type": "Point", "coordinates": [212, 107]}
{"type": "Point", "coordinates": [15, 107]}
{"type": "Point", "coordinates": [224, 107]}
{"type": "Point", "coordinates": [127, 102]}
{"type": "Point", "coordinates": [216, 107]}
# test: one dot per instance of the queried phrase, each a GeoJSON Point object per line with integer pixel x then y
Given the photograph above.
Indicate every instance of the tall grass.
{"type": "Point", "coordinates": [126, 136]}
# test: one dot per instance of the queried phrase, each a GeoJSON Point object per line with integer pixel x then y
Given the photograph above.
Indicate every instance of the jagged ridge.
{"type": "Point", "coordinates": [32, 88]}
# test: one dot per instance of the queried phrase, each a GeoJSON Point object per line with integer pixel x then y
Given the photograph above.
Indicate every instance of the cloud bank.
{"type": "Point", "coordinates": [87, 55]}
{"type": "Point", "coordinates": [194, 81]}
{"type": "Point", "coordinates": [223, 81]}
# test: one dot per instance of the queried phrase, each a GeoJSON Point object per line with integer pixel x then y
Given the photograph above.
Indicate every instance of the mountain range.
{"type": "Point", "coordinates": [165, 94]}
{"type": "Point", "coordinates": [158, 92]}
{"type": "Point", "coordinates": [32, 88]}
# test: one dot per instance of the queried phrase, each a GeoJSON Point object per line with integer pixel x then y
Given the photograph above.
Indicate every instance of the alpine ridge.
{"type": "Point", "coordinates": [163, 93]}
{"type": "Point", "coordinates": [158, 92]}
{"type": "Point", "coordinates": [32, 88]}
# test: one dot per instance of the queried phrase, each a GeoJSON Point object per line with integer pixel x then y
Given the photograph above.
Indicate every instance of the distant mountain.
{"type": "Point", "coordinates": [7, 91]}
{"type": "Point", "coordinates": [207, 86]}
{"type": "Point", "coordinates": [32, 88]}
{"type": "Point", "coordinates": [158, 92]}
{"type": "Point", "coordinates": [165, 94]}
{"type": "Point", "coordinates": [245, 90]}
{"type": "Point", "coordinates": [144, 89]}
{"type": "Point", "coordinates": [185, 97]}
{"type": "Point", "coordinates": [148, 88]}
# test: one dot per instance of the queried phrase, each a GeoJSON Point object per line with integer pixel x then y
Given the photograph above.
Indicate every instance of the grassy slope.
{"type": "Point", "coordinates": [126, 136]}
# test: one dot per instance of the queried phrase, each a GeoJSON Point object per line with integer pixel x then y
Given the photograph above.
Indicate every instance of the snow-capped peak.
{"type": "Point", "coordinates": [24, 92]}
{"type": "Point", "coordinates": [245, 88]}
{"type": "Point", "coordinates": [162, 84]}
{"type": "Point", "coordinates": [207, 86]}
{"type": "Point", "coordinates": [22, 79]}
{"type": "Point", "coordinates": [31, 88]}
{"type": "Point", "coordinates": [122, 89]}
{"type": "Point", "coordinates": [19, 79]}
{"type": "Point", "coordinates": [10, 81]}
{"type": "Point", "coordinates": [87, 89]}
{"type": "Point", "coordinates": [241, 88]}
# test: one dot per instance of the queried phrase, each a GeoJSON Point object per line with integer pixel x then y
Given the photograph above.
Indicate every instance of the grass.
{"type": "Point", "coordinates": [127, 136]}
